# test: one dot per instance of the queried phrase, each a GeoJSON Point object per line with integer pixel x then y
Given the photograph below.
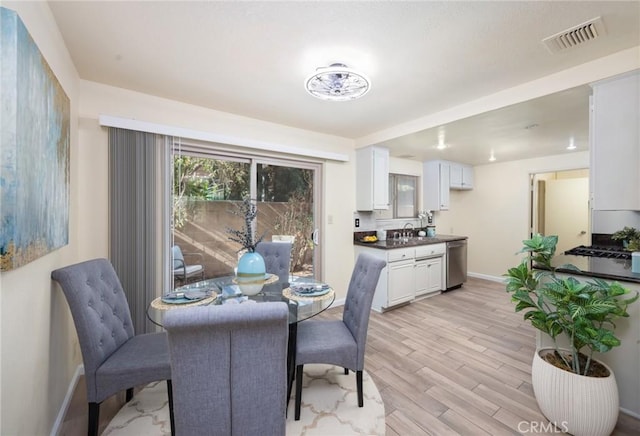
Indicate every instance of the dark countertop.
{"type": "Point", "coordinates": [412, 242]}
{"type": "Point", "coordinates": [610, 269]}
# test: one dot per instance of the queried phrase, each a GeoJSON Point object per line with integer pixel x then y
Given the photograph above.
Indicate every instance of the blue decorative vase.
{"type": "Point", "coordinates": [251, 273]}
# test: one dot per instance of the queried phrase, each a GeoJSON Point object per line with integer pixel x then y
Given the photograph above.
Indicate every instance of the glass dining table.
{"type": "Point", "coordinates": [225, 290]}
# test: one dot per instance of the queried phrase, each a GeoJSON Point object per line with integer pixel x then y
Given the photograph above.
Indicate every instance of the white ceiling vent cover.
{"type": "Point", "coordinates": [575, 36]}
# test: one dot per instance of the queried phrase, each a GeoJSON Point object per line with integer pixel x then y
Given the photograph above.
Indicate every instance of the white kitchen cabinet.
{"type": "Point", "coordinates": [429, 276]}
{"type": "Point", "coordinates": [435, 185]}
{"type": "Point", "coordinates": [401, 282]}
{"type": "Point", "coordinates": [409, 272]}
{"type": "Point", "coordinates": [615, 143]}
{"type": "Point", "coordinates": [460, 176]}
{"type": "Point", "coordinates": [372, 178]}
{"type": "Point", "coordinates": [430, 269]}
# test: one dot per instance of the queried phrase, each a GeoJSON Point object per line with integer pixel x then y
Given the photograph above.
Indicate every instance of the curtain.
{"type": "Point", "coordinates": [137, 218]}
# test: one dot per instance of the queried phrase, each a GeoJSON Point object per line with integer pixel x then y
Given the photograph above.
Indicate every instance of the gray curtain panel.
{"type": "Point", "coordinates": [136, 218]}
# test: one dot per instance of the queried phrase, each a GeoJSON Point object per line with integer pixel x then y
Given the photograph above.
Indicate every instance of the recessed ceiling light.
{"type": "Point", "coordinates": [572, 145]}
{"type": "Point", "coordinates": [337, 82]}
{"type": "Point", "coordinates": [441, 145]}
{"type": "Point", "coordinates": [492, 157]}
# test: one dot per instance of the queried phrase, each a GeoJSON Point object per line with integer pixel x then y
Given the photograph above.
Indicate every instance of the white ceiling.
{"type": "Point", "coordinates": [423, 57]}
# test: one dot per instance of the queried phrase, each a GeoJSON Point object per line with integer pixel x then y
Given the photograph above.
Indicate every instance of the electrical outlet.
{"type": "Point", "coordinates": [357, 222]}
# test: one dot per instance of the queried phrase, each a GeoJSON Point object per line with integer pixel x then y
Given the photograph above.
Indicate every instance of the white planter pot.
{"type": "Point", "coordinates": [576, 404]}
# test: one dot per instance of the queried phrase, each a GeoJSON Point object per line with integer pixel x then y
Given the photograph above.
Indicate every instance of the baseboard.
{"type": "Point", "coordinates": [337, 303]}
{"type": "Point", "coordinates": [486, 277]}
{"type": "Point", "coordinates": [57, 425]}
{"type": "Point", "coordinates": [630, 413]}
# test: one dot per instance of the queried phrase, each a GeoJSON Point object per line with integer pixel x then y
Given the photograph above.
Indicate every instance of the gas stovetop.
{"type": "Point", "coordinates": [599, 251]}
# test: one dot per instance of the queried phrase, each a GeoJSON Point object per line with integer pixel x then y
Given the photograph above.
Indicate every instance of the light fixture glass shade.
{"type": "Point", "coordinates": [337, 82]}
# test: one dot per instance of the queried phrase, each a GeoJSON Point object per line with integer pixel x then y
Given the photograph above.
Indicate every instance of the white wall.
{"type": "Point", "coordinates": [495, 214]}
{"type": "Point", "coordinates": [37, 339]}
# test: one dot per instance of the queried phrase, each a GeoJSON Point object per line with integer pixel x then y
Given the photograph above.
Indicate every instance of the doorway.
{"type": "Point", "coordinates": [560, 206]}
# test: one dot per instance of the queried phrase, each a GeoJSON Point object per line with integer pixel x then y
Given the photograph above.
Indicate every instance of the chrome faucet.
{"type": "Point", "coordinates": [405, 233]}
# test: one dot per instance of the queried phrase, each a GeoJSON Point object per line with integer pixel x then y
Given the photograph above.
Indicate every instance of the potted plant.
{"type": "Point", "coordinates": [574, 391]}
{"type": "Point", "coordinates": [630, 238]}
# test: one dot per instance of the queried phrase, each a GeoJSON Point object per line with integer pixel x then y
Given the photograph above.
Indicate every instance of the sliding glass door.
{"type": "Point", "coordinates": [207, 186]}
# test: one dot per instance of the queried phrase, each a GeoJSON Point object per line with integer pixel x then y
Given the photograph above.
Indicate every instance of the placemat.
{"type": "Point", "coordinates": [288, 293]}
{"type": "Point", "coordinates": [271, 278]}
{"type": "Point", "coordinates": [160, 305]}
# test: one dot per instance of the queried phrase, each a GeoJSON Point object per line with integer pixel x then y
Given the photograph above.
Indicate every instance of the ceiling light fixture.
{"type": "Point", "coordinates": [492, 157]}
{"type": "Point", "coordinates": [441, 145]}
{"type": "Point", "coordinates": [572, 145]}
{"type": "Point", "coordinates": [337, 82]}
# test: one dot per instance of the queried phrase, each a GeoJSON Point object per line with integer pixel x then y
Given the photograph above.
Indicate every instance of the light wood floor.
{"type": "Point", "coordinates": [456, 363]}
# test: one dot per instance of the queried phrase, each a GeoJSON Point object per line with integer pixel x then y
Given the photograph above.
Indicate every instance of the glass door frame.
{"type": "Point", "coordinates": [254, 157]}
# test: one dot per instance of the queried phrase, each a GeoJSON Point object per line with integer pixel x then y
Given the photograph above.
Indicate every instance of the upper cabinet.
{"type": "Point", "coordinates": [372, 178]}
{"type": "Point", "coordinates": [435, 185]}
{"type": "Point", "coordinates": [438, 177]}
{"type": "Point", "coordinates": [460, 176]}
{"type": "Point", "coordinates": [615, 143]}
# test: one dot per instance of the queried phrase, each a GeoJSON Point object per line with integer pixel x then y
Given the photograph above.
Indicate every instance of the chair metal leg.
{"type": "Point", "coordinates": [129, 395]}
{"type": "Point", "coordinates": [170, 393]}
{"type": "Point", "coordinates": [346, 371]}
{"type": "Point", "coordinates": [298, 390]}
{"type": "Point", "coordinates": [359, 383]}
{"type": "Point", "coordinates": [94, 418]}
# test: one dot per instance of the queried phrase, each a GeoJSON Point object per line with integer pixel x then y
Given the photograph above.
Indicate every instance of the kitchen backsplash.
{"type": "Point", "coordinates": [368, 222]}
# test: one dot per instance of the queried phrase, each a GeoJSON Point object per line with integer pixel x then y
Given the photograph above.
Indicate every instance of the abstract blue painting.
{"type": "Point", "coordinates": [34, 150]}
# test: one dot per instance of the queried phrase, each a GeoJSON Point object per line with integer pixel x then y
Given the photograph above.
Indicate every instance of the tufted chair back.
{"type": "Point", "coordinates": [357, 306]}
{"type": "Point", "coordinates": [114, 358]}
{"type": "Point", "coordinates": [277, 258]}
{"type": "Point", "coordinates": [100, 312]}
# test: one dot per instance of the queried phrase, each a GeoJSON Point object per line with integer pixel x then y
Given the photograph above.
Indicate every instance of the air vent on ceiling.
{"type": "Point", "coordinates": [575, 36]}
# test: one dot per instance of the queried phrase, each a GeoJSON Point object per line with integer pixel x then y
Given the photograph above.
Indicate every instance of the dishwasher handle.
{"type": "Point", "coordinates": [456, 244]}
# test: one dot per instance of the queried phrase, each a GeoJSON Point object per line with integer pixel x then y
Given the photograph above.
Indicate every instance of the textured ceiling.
{"type": "Point", "coordinates": [251, 58]}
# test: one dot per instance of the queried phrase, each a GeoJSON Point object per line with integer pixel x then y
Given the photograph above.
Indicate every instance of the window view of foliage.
{"type": "Point", "coordinates": [202, 186]}
{"type": "Point", "coordinates": [197, 178]}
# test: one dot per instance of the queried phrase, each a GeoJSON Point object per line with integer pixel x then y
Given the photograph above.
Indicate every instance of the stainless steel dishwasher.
{"type": "Point", "coordinates": [456, 263]}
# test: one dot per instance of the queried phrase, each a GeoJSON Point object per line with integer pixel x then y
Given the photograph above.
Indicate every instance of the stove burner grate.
{"type": "Point", "coordinates": [599, 251]}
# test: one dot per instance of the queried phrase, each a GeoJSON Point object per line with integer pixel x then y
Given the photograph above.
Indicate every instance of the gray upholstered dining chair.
{"type": "Point", "coordinates": [229, 368]}
{"type": "Point", "coordinates": [341, 342]}
{"type": "Point", "coordinates": [114, 358]}
{"type": "Point", "coordinates": [277, 258]}
{"type": "Point", "coordinates": [183, 271]}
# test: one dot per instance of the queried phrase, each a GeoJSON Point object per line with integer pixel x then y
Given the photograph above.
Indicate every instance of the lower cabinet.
{"type": "Point", "coordinates": [401, 282]}
{"type": "Point", "coordinates": [404, 277]}
{"type": "Point", "coordinates": [429, 276]}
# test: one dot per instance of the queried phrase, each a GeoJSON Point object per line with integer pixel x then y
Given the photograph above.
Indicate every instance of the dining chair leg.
{"type": "Point", "coordinates": [346, 371]}
{"type": "Point", "coordinates": [170, 394]}
{"type": "Point", "coordinates": [359, 383]}
{"type": "Point", "coordinates": [298, 391]}
{"type": "Point", "coordinates": [129, 395]}
{"type": "Point", "coordinates": [94, 416]}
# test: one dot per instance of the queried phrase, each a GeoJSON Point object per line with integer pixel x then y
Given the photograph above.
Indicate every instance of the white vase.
{"type": "Point", "coordinates": [575, 403]}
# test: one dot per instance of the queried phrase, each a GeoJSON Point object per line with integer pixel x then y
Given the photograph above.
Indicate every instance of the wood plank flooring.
{"type": "Point", "coordinates": [454, 364]}
{"type": "Point", "coordinates": [457, 364]}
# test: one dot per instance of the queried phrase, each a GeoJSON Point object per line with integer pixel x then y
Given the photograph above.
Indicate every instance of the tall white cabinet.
{"type": "Point", "coordinates": [439, 177]}
{"type": "Point", "coordinates": [372, 178]}
{"type": "Point", "coordinates": [615, 143]}
{"type": "Point", "coordinates": [435, 185]}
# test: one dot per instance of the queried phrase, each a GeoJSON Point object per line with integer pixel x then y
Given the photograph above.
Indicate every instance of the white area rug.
{"type": "Point", "coordinates": [329, 407]}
